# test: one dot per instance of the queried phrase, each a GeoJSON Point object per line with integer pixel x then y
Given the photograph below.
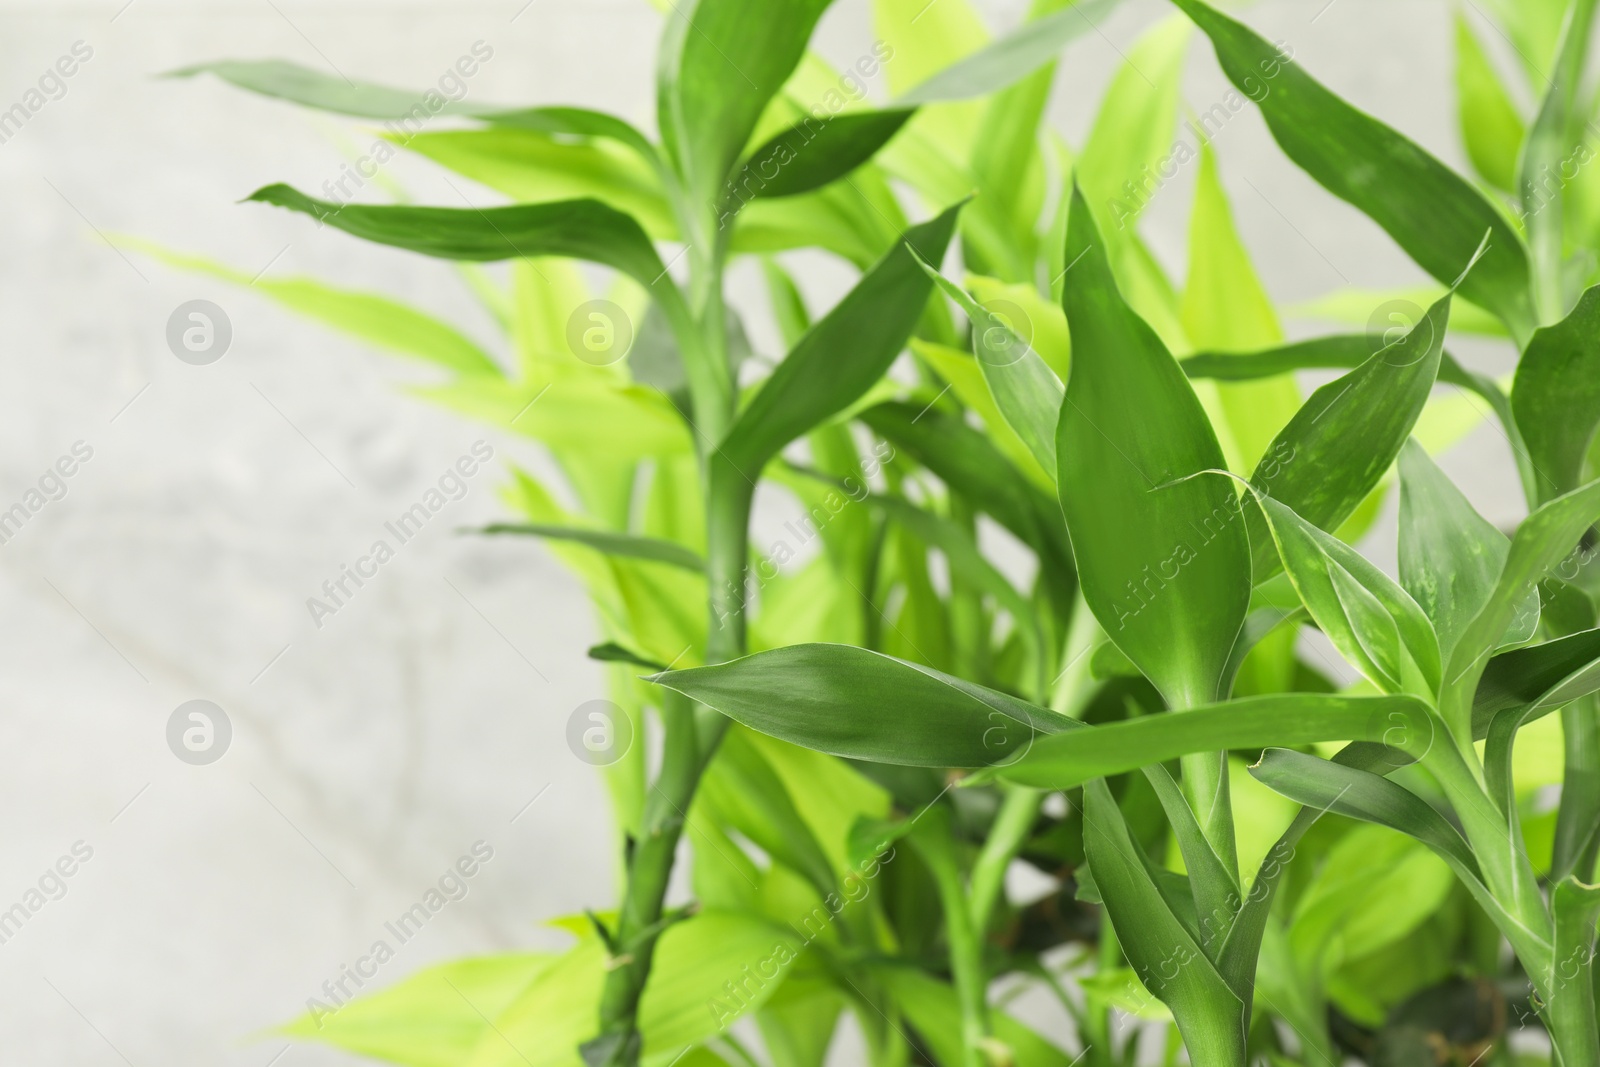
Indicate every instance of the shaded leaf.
{"type": "Point", "coordinates": [609, 542]}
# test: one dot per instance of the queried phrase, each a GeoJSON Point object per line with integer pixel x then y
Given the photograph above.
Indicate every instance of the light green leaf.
{"type": "Point", "coordinates": [1436, 216]}
{"type": "Point", "coordinates": [1491, 127]}
{"type": "Point", "coordinates": [532, 167]}
{"type": "Point", "coordinates": [931, 1006]}
{"type": "Point", "coordinates": [1163, 562]}
{"type": "Point", "coordinates": [1539, 678]}
{"type": "Point", "coordinates": [685, 1002]}
{"type": "Point", "coordinates": [375, 319]}
{"type": "Point", "coordinates": [1025, 390]}
{"type": "Point", "coordinates": [434, 1018]}
{"type": "Point", "coordinates": [611, 543]}
{"type": "Point", "coordinates": [1226, 309]}
{"type": "Point", "coordinates": [1008, 60]}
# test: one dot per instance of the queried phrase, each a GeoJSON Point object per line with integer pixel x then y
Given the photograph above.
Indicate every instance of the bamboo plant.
{"type": "Point", "coordinates": [862, 745]}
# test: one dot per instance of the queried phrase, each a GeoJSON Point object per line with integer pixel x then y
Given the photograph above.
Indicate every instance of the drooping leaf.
{"type": "Point", "coordinates": [1556, 396]}
{"type": "Point", "coordinates": [1072, 757]}
{"type": "Point", "coordinates": [609, 542]}
{"type": "Point", "coordinates": [1432, 213]}
{"type": "Point", "coordinates": [851, 702]}
{"type": "Point", "coordinates": [1338, 446]}
{"type": "Point", "coordinates": [579, 229]}
{"type": "Point", "coordinates": [1491, 127]}
{"type": "Point", "coordinates": [373, 318]}
{"type": "Point", "coordinates": [1163, 563]}
{"type": "Point", "coordinates": [1450, 556]}
{"type": "Point", "coordinates": [840, 357]}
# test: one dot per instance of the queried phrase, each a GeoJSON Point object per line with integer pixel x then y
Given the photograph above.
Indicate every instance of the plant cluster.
{"type": "Point", "coordinates": [1250, 856]}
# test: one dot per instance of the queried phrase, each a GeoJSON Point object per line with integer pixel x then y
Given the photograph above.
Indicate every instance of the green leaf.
{"type": "Point", "coordinates": [931, 1006]}
{"type": "Point", "coordinates": [1372, 798]}
{"type": "Point", "coordinates": [966, 461]}
{"type": "Point", "coordinates": [612, 652]}
{"type": "Point", "coordinates": [434, 1018]}
{"type": "Point", "coordinates": [1539, 678]}
{"type": "Point", "coordinates": [1225, 308]}
{"type": "Point", "coordinates": [1556, 396]}
{"type": "Point", "coordinates": [1539, 545]}
{"type": "Point", "coordinates": [842, 356]}
{"type": "Point", "coordinates": [629, 546]}
{"type": "Point", "coordinates": [1213, 883]}
{"type": "Point", "coordinates": [1339, 445]}
{"type": "Point", "coordinates": [579, 229]}
{"type": "Point", "coordinates": [1163, 563]}
{"type": "Point", "coordinates": [686, 1001]}
{"type": "Point", "coordinates": [1491, 127]}
{"type": "Point", "coordinates": [1073, 757]}
{"type": "Point", "coordinates": [1431, 212]}
{"type": "Point", "coordinates": [375, 319]}
{"type": "Point", "coordinates": [1450, 556]}
{"type": "Point", "coordinates": [532, 166]}
{"type": "Point", "coordinates": [1026, 391]}
{"type": "Point", "coordinates": [1133, 133]}
{"type": "Point", "coordinates": [1370, 619]}
{"type": "Point", "coordinates": [1211, 1018]}
{"type": "Point", "coordinates": [814, 152]}
{"type": "Point", "coordinates": [1005, 62]}
{"type": "Point", "coordinates": [718, 70]}
{"type": "Point", "coordinates": [850, 702]}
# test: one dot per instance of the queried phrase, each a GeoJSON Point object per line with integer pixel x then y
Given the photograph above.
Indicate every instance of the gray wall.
{"type": "Point", "coordinates": [368, 755]}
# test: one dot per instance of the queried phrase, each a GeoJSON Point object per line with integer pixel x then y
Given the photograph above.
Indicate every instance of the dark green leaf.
{"type": "Point", "coordinates": [850, 702]}
{"type": "Point", "coordinates": [1556, 396]}
{"type": "Point", "coordinates": [1541, 677]}
{"type": "Point", "coordinates": [1163, 562]}
{"type": "Point", "coordinates": [579, 229]}
{"type": "Point", "coordinates": [814, 152]}
{"type": "Point", "coordinates": [611, 652]}
{"type": "Point", "coordinates": [1250, 723]}
{"type": "Point", "coordinates": [630, 546]}
{"type": "Point", "coordinates": [842, 356]}
{"type": "Point", "coordinates": [1212, 1020]}
{"type": "Point", "coordinates": [1431, 212]}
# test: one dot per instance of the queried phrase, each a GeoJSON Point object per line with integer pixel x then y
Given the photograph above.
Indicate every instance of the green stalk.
{"type": "Point", "coordinates": [934, 840]}
{"type": "Point", "coordinates": [1019, 810]}
{"type": "Point", "coordinates": [691, 733]}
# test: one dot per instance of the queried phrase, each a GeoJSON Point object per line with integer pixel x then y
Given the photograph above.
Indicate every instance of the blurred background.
{"type": "Point", "coordinates": [428, 715]}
